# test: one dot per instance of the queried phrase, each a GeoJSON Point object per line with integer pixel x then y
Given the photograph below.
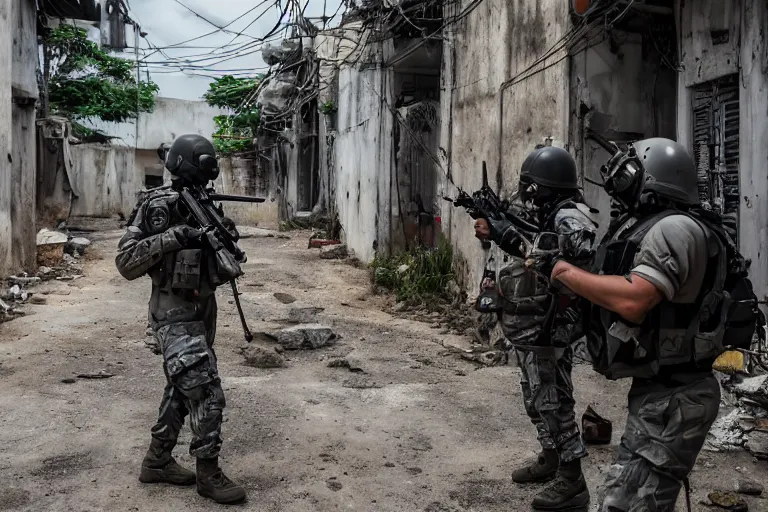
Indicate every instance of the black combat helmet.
{"type": "Point", "coordinates": [545, 171]}
{"type": "Point", "coordinates": [669, 171]}
{"type": "Point", "coordinates": [192, 158]}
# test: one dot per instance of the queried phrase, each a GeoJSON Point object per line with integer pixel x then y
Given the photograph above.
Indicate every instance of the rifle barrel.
{"type": "Point", "coordinates": [239, 199]}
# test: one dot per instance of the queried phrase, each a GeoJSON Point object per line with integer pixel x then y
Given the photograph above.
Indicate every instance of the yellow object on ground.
{"type": "Point", "coordinates": [730, 362]}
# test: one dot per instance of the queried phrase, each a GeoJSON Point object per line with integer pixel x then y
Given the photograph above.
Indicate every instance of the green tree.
{"type": "Point", "coordinates": [235, 132]}
{"type": "Point", "coordinates": [81, 80]}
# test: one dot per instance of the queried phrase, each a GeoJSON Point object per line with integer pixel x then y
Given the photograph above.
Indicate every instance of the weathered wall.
{"type": "Point", "coordinates": [18, 93]}
{"type": "Point", "coordinates": [745, 52]}
{"type": "Point", "coordinates": [624, 92]}
{"type": "Point", "coordinates": [364, 157]}
{"type": "Point", "coordinates": [241, 176]}
{"type": "Point", "coordinates": [495, 42]}
{"type": "Point", "coordinates": [106, 179]}
{"type": "Point", "coordinates": [6, 155]}
{"type": "Point", "coordinates": [170, 118]}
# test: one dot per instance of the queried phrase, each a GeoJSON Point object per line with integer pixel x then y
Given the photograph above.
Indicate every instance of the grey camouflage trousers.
{"type": "Point", "coordinates": [193, 388]}
{"type": "Point", "coordinates": [548, 397]}
{"type": "Point", "coordinates": [666, 429]}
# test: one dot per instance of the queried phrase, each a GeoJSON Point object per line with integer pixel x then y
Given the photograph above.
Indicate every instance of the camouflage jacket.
{"type": "Point", "coordinates": [525, 296]}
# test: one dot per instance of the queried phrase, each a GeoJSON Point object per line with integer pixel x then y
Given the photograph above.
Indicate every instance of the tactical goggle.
{"type": "Point", "coordinates": [623, 177]}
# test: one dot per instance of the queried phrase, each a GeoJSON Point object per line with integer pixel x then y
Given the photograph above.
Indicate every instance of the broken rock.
{"type": "Point", "coordinates": [46, 236]}
{"type": "Point", "coordinates": [744, 486]}
{"type": "Point", "coordinates": [304, 315]}
{"type": "Point", "coordinates": [285, 298]}
{"type": "Point", "coordinates": [331, 252]}
{"type": "Point", "coordinates": [259, 357]}
{"type": "Point", "coordinates": [307, 336]}
{"type": "Point", "coordinates": [77, 245]}
{"type": "Point", "coordinates": [757, 444]}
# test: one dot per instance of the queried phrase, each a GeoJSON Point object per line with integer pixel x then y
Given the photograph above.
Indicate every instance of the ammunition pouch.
{"type": "Point", "coordinates": [187, 269]}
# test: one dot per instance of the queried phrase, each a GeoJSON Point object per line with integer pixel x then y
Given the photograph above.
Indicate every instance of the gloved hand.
{"type": "Point", "coordinates": [187, 235]}
{"type": "Point", "coordinates": [230, 225]}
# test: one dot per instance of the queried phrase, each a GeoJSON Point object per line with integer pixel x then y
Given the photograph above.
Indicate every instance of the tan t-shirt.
{"type": "Point", "coordinates": [673, 257]}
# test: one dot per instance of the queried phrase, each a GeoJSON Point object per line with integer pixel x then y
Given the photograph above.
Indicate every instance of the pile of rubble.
{"type": "Point", "coordinates": [58, 257]}
{"type": "Point", "coordinates": [746, 425]}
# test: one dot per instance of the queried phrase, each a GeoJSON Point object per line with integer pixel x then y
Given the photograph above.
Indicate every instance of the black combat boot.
{"type": "Point", "coordinates": [212, 483]}
{"type": "Point", "coordinates": [159, 466]}
{"type": "Point", "coordinates": [568, 491]}
{"type": "Point", "coordinates": [543, 469]}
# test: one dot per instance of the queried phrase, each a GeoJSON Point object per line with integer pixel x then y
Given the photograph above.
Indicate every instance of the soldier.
{"type": "Point", "coordinates": [549, 187]}
{"type": "Point", "coordinates": [182, 313]}
{"type": "Point", "coordinates": [653, 288]}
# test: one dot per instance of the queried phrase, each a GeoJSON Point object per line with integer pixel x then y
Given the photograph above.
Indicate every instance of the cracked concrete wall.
{"type": "Point", "coordinates": [5, 138]}
{"type": "Point", "coordinates": [364, 158]}
{"type": "Point", "coordinates": [18, 93]}
{"type": "Point", "coordinates": [497, 41]}
{"type": "Point", "coordinates": [107, 179]}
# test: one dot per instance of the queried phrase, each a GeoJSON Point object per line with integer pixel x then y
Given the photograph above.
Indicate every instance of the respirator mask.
{"type": "Point", "coordinates": [623, 177]}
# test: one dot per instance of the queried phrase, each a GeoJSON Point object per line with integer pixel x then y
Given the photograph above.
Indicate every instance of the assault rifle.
{"type": "Point", "coordinates": [199, 202]}
{"type": "Point", "coordinates": [486, 204]}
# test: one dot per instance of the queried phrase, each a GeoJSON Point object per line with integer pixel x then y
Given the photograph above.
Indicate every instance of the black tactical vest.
{"type": "Point", "coordinates": [672, 334]}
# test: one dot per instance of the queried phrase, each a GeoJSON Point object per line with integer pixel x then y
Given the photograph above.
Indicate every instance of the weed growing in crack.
{"type": "Point", "coordinates": [416, 275]}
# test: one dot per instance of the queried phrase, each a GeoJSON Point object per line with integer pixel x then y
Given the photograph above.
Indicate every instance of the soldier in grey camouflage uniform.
{"type": "Point", "coordinates": [548, 183]}
{"type": "Point", "coordinates": [654, 280]}
{"type": "Point", "coordinates": [182, 314]}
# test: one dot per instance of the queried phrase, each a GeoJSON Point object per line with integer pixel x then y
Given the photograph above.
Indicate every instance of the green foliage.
{"type": "Point", "coordinates": [235, 133]}
{"type": "Point", "coordinates": [88, 82]}
{"type": "Point", "coordinates": [328, 107]}
{"type": "Point", "coordinates": [416, 275]}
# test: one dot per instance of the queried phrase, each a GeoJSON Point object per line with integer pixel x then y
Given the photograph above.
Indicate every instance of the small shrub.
{"type": "Point", "coordinates": [417, 274]}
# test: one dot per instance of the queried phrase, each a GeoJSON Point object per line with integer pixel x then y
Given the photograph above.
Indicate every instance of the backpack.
{"type": "Point", "coordinates": [743, 318]}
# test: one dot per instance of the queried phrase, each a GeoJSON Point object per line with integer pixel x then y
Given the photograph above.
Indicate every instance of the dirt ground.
{"type": "Point", "coordinates": [418, 430]}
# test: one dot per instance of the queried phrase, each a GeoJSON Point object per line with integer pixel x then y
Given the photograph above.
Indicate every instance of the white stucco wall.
{"type": "Point", "coordinates": [746, 53]}
{"type": "Point", "coordinates": [363, 159]}
{"type": "Point", "coordinates": [170, 118]}
{"type": "Point", "coordinates": [5, 137]}
{"type": "Point", "coordinates": [498, 40]}
{"type": "Point", "coordinates": [106, 178]}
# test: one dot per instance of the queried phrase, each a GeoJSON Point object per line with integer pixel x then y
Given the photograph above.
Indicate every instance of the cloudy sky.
{"type": "Point", "coordinates": [183, 68]}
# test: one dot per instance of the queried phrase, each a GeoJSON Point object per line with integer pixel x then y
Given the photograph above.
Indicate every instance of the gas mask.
{"type": "Point", "coordinates": [623, 177]}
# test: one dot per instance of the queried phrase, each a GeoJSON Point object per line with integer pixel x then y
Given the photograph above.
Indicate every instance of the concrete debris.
{"type": "Point", "coordinates": [349, 364]}
{"type": "Point", "coordinates": [47, 237]}
{"type": "Point", "coordinates": [259, 357]}
{"type": "Point", "coordinates": [103, 374]}
{"type": "Point", "coordinates": [23, 280]}
{"type": "Point", "coordinates": [748, 487]}
{"type": "Point", "coordinates": [306, 336]}
{"type": "Point", "coordinates": [757, 444]}
{"type": "Point", "coordinates": [285, 298]}
{"type": "Point", "coordinates": [305, 315]}
{"type": "Point", "coordinates": [754, 388]}
{"type": "Point", "coordinates": [726, 433]}
{"type": "Point", "coordinates": [77, 246]}
{"type": "Point", "coordinates": [253, 232]}
{"type": "Point", "coordinates": [331, 252]}
{"type": "Point", "coordinates": [728, 501]}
